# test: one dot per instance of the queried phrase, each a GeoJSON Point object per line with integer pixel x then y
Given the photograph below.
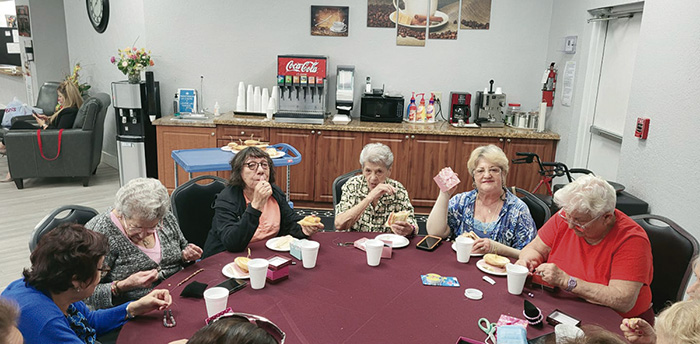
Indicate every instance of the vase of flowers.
{"type": "Point", "coordinates": [131, 61]}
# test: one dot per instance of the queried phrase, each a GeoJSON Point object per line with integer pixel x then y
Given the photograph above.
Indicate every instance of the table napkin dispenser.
{"type": "Point", "coordinates": [295, 248]}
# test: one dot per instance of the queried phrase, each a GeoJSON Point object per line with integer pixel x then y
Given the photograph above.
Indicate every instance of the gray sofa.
{"type": "Point", "coordinates": [81, 146]}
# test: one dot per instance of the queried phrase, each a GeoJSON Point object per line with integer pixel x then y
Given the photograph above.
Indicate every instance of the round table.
{"type": "Point", "coordinates": [343, 300]}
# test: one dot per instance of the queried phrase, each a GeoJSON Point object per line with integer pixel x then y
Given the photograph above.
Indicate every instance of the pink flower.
{"type": "Point", "coordinates": [150, 62]}
{"type": "Point", "coordinates": [134, 48]}
{"type": "Point", "coordinates": [112, 59]}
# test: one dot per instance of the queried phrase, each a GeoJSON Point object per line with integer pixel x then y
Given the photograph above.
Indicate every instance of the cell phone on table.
{"type": "Point", "coordinates": [429, 243]}
{"type": "Point", "coordinates": [233, 285]}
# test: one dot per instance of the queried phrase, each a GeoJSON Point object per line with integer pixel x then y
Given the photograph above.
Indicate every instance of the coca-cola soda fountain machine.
{"type": "Point", "coordinates": [303, 89]}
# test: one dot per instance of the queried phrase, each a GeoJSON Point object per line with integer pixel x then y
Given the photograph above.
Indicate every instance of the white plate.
{"type": "Point", "coordinates": [454, 248]}
{"type": "Point", "coordinates": [397, 240]}
{"type": "Point", "coordinates": [227, 149]}
{"type": "Point", "coordinates": [490, 269]}
{"type": "Point", "coordinates": [231, 270]}
{"type": "Point", "coordinates": [338, 30]}
{"type": "Point", "coordinates": [443, 15]}
{"type": "Point", "coordinates": [272, 244]}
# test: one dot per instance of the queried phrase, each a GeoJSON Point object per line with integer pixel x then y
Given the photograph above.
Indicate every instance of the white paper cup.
{"type": "Point", "coordinates": [517, 274]}
{"type": "Point", "coordinates": [464, 248]}
{"type": "Point", "coordinates": [216, 300]}
{"type": "Point", "coordinates": [309, 253]}
{"type": "Point", "coordinates": [564, 332]}
{"type": "Point", "coordinates": [270, 108]}
{"type": "Point", "coordinates": [374, 247]}
{"type": "Point", "coordinates": [257, 268]}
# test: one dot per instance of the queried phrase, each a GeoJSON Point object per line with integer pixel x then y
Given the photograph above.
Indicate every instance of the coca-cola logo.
{"type": "Point", "coordinates": [306, 67]}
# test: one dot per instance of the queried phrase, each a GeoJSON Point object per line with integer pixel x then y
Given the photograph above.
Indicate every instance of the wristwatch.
{"type": "Point", "coordinates": [572, 284]}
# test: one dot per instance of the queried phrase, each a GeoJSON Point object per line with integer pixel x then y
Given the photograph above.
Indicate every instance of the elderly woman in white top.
{"type": "Point", "coordinates": [146, 245]}
{"type": "Point", "coordinates": [369, 199]}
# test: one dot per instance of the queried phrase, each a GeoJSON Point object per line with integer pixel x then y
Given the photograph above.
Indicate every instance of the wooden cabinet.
{"type": "Point", "coordinates": [417, 159]}
{"type": "Point", "coordinates": [170, 138]}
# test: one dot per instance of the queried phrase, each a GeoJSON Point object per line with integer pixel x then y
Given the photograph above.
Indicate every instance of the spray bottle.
{"type": "Point", "coordinates": [412, 108]}
{"type": "Point", "coordinates": [430, 109]}
{"type": "Point", "coordinates": [421, 108]}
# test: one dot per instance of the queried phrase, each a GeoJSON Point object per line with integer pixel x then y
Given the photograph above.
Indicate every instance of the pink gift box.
{"type": "Point", "coordinates": [446, 179]}
{"type": "Point", "coordinates": [386, 251]}
{"type": "Point", "coordinates": [509, 320]}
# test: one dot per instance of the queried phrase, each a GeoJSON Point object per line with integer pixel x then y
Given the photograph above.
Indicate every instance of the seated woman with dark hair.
{"type": "Point", "coordinates": [252, 208]}
{"type": "Point", "coordinates": [237, 328]}
{"type": "Point", "coordinates": [66, 266]}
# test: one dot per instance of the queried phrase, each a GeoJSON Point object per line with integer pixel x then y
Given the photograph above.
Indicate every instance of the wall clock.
{"type": "Point", "coordinates": [98, 12]}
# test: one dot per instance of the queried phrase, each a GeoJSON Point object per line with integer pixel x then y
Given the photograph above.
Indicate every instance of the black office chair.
{"type": "Point", "coordinates": [76, 214]}
{"type": "Point", "coordinates": [538, 209]}
{"type": "Point", "coordinates": [192, 206]}
{"type": "Point", "coordinates": [673, 249]}
{"type": "Point", "coordinates": [338, 185]}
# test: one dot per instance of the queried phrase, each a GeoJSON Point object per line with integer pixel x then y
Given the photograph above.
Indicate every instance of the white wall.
{"type": "Point", "coordinates": [232, 41]}
{"type": "Point", "coordinates": [662, 169]}
{"type": "Point", "coordinates": [93, 51]}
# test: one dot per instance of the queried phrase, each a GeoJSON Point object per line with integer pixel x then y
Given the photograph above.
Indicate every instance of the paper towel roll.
{"type": "Point", "coordinates": [257, 106]}
{"type": "Point", "coordinates": [540, 120]}
{"type": "Point", "coordinates": [249, 99]}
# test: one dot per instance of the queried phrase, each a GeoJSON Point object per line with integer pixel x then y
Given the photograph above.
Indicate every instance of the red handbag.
{"type": "Point", "coordinates": [41, 148]}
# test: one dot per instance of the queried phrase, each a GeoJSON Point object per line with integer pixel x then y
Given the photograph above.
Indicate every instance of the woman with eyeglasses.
{"type": "Point", "coordinates": [593, 250]}
{"type": "Point", "coordinates": [146, 244]}
{"type": "Point", "coordinates": [66, 267]}
{"type": "Point", "coordinates": [501, 220]}
{"type": "Point", "coordinates": [251, 207]}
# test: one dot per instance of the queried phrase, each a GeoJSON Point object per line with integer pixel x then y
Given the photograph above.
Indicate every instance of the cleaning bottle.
{"type": "Point", "coordinates": [430, 110]}
{"type": "Point", "coordinates": [421, 108]}
{"type": "Point", "coordinates": [412, 108]}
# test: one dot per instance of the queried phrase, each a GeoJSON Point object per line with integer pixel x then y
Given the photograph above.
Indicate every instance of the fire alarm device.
{"type": "Point", "coordinates": [642, 129]}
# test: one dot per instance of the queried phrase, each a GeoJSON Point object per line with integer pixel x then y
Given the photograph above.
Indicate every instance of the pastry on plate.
{"type": "Point", "coordinates": [310, 220]}
{"type": "Point", "coordinates": [496, 260]}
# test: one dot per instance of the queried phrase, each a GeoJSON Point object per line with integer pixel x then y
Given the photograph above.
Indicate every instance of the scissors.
{"type": "Point", "coordinates": [489, 328]}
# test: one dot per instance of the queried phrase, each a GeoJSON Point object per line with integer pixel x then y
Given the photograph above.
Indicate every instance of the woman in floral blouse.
{"type": "Point", "coordinates": [501, 220]}
{"type": "Point", "coordinates": [368, 199]}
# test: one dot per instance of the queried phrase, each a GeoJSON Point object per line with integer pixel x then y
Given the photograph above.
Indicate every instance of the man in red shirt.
{"type": "Point", "coordinates": [593, 250]}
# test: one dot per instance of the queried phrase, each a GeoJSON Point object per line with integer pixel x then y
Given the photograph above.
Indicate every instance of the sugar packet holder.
{"type": "Point", "coordinates": [386, 250]}
{"type": "Point", "coordinates": [446, 179]}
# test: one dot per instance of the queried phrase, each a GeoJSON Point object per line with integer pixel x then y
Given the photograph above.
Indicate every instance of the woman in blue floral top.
{"type": "Point", "coordinates": [500, 219]}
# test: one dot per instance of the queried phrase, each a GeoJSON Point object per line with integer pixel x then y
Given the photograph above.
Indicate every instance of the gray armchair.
{"type": "Point", "coordinates": [81, 146]}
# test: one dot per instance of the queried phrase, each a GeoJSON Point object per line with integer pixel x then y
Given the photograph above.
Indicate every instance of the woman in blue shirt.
{"type": "Point", "coordinates": [66, 267]}
{"type": "Point", "coordinates": [500, 219]}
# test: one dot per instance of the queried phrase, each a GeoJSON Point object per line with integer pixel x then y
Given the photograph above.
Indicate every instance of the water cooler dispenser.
{"type": "Point", "coordinates": [135, 106]}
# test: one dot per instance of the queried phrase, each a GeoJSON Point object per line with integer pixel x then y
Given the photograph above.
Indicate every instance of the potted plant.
{"type": "Point", "coordinates": [131, 61]}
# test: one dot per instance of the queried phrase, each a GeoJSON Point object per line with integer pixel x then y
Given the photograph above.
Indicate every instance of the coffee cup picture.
{"type": "Point", "coordinates": [338, 27]}
{"type": "Point", "coordinates": [329, 21]}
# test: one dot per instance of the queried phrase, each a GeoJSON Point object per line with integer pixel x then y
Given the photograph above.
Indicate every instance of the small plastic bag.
{"type": "Point", "coordinates": [13, 109]}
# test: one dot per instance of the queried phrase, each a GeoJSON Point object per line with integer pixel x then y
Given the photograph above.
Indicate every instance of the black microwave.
{"type": "Point", "coordinates": [381, 109]}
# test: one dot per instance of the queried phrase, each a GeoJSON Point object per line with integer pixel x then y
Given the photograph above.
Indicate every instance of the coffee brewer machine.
{"type": "Point", "coordinates": [488, 107]}
{"type": "Point", "coordinates": [135, 106]}
{"type": "Point", "coordinates": [344, 92]}
{"type": "Point", "coordinates": [303, 89]}
{"type": "Point", "coordinates": [459, 108]}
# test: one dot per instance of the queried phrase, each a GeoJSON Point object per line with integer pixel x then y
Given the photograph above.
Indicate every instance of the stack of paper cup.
{"type": "Point", "coordinates": [264, 99]}
{"type": "Point", "coordinates": [240, 100]}
{"type": "Point", "coordinates": [257, 97]}
{"type": "Point", "coordinates": [249, 99]}
{"type": "Point", "coordinates": [276, 96]}
{"type": "Point", "coordinates": [270, 108]}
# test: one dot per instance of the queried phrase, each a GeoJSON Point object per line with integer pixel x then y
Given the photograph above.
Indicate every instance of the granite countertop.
{"type": "Point", "coordinates": [439, 128]}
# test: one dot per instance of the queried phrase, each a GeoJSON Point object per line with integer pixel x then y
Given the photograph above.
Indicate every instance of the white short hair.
{"type": "Point", "coordinates": [588, 194]}
{"type": "Point", "coordinates": [143, 198]}
{"type": "Point", "coordinates": [377, 153]}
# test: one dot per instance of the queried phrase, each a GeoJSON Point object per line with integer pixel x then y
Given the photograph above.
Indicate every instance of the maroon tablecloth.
{"type": "Point", "coordinates": [343, 300]}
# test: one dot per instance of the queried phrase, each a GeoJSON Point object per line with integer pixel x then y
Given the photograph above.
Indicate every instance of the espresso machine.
{"type": "Point", "coordinates": [489, 106]}
{"type": "Point", "coordinates": [344, 92]}
{"type": "Point", "coordinates": [303, 89]}
{"type": "Point", "coordinates": [459, 108]}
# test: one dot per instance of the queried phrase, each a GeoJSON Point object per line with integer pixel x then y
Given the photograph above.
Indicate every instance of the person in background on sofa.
{"type": "Point", "coordinates": [501, 220]}
{"type": "Point", "coordinates": [368, 199]}
{"type": "Point", "coordinates": [66, 267]}
{"type": "Point", "coordinates": [639, 331]}
{"type": "Point", "coordinates": [145, 241]}
{"type": "Point", "coordinates": [593, 250]}
{"type": "Point", "coordinates": [252, 208]}
{"type": "Point", "coordinates": [9, 333]}
{"type": "Point", "coordinates": [69, 100]}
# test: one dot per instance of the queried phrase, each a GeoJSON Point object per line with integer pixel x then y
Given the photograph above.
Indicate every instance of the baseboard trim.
{"type": "Point", "coordinates": [110, 160]}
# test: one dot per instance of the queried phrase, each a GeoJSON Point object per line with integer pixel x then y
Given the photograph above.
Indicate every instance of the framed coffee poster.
{"type": "Point", "coordinates": [330, 21]}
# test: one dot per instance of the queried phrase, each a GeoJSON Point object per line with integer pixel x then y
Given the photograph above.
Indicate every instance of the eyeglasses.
{"type": "Point", "coordinates": [581, 227]}
{"type": "Point", "coordinates": [491, 170]}
{"type": "Point", "coordinates": [257, 320]}
{"type": "Point", "coordinates": [148, 230]}
{"type": "Point", "coordinates": [104, 270]}
{"type": "Point", "coordinates": [254, 165]}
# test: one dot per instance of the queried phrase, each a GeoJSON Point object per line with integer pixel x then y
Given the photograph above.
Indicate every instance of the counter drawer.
{"type": "Point", "coordinates": [232, 133]}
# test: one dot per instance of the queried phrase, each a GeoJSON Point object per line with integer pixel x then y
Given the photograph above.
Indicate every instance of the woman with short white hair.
{"type": "Point", "coordinates": [146, 245]}
{"type": "Point", "coordinates": [593, 250]}
{"type": "Point", "coordinates": [369, 199]}
{"type": "Point", "coordinates": [501, 221]}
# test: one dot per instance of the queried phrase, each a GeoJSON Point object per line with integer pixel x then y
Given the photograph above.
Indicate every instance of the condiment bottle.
{"type": "Point", "coordinates": [412, 108]}
{"type": "Point", "coordinates": [421, 108]}
{"type": "Point", "coordinates": [430, 109]}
